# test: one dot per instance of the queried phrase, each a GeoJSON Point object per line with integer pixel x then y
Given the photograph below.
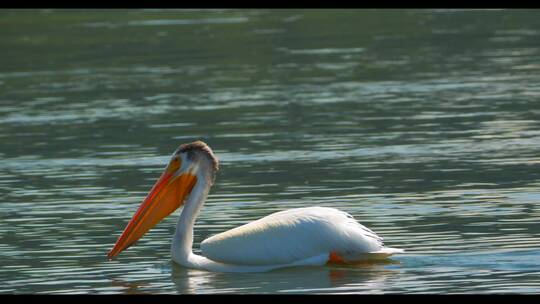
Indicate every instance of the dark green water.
{"type": "Point", "coordinates": [422, 124]}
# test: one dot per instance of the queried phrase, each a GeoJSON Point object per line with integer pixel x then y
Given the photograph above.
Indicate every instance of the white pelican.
{"type": "Point", "coordinates": [294, 237]}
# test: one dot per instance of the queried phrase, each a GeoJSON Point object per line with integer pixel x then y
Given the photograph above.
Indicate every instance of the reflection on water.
{"type": "Point", "coordinates": [297, 280]}
{"type": "Point", "coordinates": [421, 124]}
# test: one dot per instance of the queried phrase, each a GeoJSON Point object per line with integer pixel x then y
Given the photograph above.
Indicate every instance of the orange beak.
{"type": "Point", "coordinates": [167, 195]}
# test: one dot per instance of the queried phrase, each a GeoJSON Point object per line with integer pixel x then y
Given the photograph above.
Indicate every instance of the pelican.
{"type": "Point", "coordinates": [294, 237]}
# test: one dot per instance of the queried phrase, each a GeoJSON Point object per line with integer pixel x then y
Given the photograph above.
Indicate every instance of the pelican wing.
{"type": "Point", "coordinates": [293, 235]}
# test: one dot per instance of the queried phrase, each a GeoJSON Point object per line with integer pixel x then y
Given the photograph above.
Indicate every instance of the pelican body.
{"type": "Point", "coordinates": [294, 237]}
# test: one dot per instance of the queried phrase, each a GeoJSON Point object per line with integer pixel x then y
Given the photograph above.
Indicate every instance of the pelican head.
{"type": "Point", "coordinates": [170, 191]}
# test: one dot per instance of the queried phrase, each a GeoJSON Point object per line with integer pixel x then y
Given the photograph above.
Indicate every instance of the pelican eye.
{"type": "Point", "coordinates": [175, 163]}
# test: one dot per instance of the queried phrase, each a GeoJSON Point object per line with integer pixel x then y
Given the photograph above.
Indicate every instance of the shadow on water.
{"type": "Point", "coordinates": [418, 273]}
{"type": "Point", "coordinates": [129, 287]}
{"type": "Point", "coordinates": [313, 279]}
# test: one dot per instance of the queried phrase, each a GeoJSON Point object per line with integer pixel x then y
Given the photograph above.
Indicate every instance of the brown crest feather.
{"type": "Point", "coordinates": [199, 146]}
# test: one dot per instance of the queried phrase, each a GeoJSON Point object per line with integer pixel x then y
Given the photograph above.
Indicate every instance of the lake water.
{"type": "Point", "coordinates": [422, 124]}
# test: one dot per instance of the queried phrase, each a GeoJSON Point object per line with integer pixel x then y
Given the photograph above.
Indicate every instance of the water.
{"type": "Point", "coordinates": [422, 124]}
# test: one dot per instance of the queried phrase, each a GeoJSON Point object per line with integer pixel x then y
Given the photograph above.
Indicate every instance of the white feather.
{"type": "Point", "coordinates": [294, 235]}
